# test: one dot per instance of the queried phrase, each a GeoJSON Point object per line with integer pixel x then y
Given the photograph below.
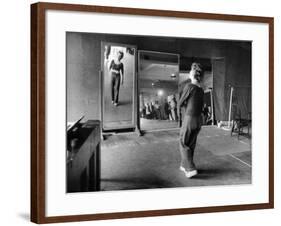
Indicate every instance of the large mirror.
{"type": "Point", "coordinates": [118, 86]}
{"type": "Point", "coordinates": [158, 75]}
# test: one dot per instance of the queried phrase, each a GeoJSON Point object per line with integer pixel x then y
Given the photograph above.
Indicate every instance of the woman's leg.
{"type": "Point", "coordinates": [192, 142]}
{"type": "Point", "coordinates": [116, 88]}
{"type": "Point", "coordinates": [186, 138]}
{"type": "Point", "coordinates": [173, 114]}
{"type": "Point", "coordinates": [112, 86]}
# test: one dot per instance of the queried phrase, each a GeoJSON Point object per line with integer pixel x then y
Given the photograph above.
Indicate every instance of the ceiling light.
{"type": "Point", "coordinates": [160, 92]}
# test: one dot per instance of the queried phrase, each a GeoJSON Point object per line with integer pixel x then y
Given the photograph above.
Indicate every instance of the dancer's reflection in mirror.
{"type": "Point", "coordinates": [116, 69]}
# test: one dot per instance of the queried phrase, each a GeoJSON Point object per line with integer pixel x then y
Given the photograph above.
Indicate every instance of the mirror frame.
{"type": "Point", "coordinates": [133, 123]}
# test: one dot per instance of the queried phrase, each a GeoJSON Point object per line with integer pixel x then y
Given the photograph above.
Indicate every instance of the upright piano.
{"type": "Point", "coordinates": [83, 157]}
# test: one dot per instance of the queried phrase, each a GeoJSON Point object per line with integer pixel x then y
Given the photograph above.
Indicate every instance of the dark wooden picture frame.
{"type": "Point", "coordinates": [38, 115]}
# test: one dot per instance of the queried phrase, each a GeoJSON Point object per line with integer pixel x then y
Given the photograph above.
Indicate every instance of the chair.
{"type": "Point", "coordinates": [239, 124]}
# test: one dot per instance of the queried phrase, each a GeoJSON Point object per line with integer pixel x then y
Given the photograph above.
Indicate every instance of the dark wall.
{"type": "Point", "coordinates": [84, 62]}
{"type": "Point", "coordinates": [238, 75]}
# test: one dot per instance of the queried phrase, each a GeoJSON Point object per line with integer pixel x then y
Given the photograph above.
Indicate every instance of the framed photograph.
{"type": "Point", "coordinates": [141, 112]}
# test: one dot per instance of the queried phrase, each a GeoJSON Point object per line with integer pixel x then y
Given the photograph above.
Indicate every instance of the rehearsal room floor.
{"type": "Point", "coordinates": [152, 160]}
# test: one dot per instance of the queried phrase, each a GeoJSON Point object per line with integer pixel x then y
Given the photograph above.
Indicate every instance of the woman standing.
{"type": "Point", "coordinates": [116, 69]}
{"type": "Point", "coordinates": [191, 100]}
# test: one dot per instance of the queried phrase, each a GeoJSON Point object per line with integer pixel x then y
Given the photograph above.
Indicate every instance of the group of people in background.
{"type": "Point", "coordinates": [168, 111]}
{"type": "Point", "coordinates": [160, 111]}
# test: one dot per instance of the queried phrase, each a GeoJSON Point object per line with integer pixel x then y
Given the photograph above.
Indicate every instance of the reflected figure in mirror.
{"type": "Point", "coordinates": [173, 109]}
{"type": "Point", "coordinates": [116, 69]}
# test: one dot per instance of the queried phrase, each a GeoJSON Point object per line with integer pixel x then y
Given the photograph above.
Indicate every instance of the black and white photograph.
{"type": "Point", "coordinates": [146, 112]}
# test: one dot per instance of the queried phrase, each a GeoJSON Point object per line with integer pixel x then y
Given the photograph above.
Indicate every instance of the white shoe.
{"type": "Point", "coordinates": [191, 173]}
{"type": "Point", "coordinates": [188, 174]}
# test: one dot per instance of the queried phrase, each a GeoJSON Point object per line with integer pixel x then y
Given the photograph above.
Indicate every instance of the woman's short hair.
{"type": "Point", "coordinates": [121, 53]}
{"type": "Point", "coordinates": [199, 71]}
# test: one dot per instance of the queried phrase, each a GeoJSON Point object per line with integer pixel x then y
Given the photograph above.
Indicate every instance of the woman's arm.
{"type": "Point", "coordinates": [122, 73]}
{"type": "Point", "coordinates": [110, 65]}
{"type": "Point", "coordinates": [184, 96]}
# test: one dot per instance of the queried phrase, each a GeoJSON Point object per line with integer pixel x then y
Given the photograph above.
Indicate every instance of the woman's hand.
{"type": "Point", "coordinates": [113, 70]}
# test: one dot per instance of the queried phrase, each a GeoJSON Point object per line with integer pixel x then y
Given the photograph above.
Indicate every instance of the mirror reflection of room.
{"type": "Point", "coordinates": [158, 87]}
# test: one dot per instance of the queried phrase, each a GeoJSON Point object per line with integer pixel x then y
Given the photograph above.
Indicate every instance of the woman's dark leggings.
{"type": "Point", "coordinates": [115, 85]}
